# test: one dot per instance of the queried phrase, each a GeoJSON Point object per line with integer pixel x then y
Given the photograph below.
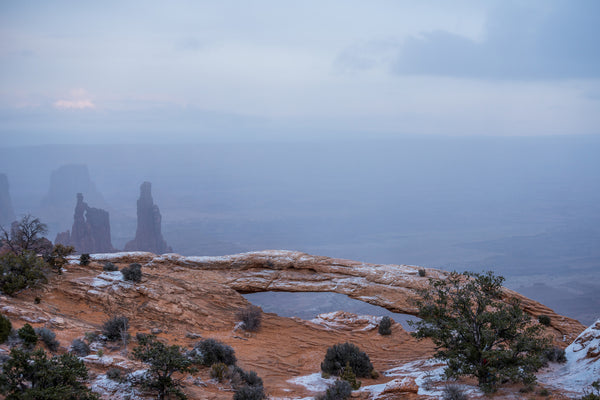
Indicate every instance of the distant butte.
{"type": "Point", "coordinates": [7, 214]}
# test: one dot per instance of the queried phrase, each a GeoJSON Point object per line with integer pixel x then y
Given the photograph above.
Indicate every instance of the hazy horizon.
{"type": "Point", "coordinates": [527, 208]}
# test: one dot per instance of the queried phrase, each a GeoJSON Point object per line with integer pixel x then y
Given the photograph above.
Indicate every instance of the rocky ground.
{"type": "Point", "coordinates": [183, 299]}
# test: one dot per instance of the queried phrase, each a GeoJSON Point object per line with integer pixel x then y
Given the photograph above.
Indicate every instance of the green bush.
{"type": "Point", "coordinates": [109, 267]}
{"type": "Point", "coordinates": [80, 348]}
{"type": "Point", "coordinates": [58, 257]}
{"type": "Point", "coordinates": [349, 376]}
{"type": "Point", "coordinates": [250, 393]}
{"type": "Point", "coordinates": [84, 259]}
{"type": "Point", "coordinates": [132, 273]}
{"type": "Point", "coordinates": [385, 326]}
{"type": "Point", "coordinates": [556, 355]}
{"type": "Point", "coordinates": [454, 392]}
{"type": "Point", "coordinates": [5, 328]}
{"type": "Point", "coordinates": [422, 272]}
{"type": "Point", "coordinates": [28, 336]}
{"type": "Point", "coordinates": [218, 371]}
{"type": "Point", "coordinates": [163, 361]}
{"type": "Point", "coordinates": [211, 351]}
{"type": "Point", "coordinates": [339, 390]}
{"type": "Point", "coordinates": [116, 328]}
{"type": "Point", "coordinates": [251, 318]}
{"type": "Point", "coordinates": [477, 332]}
{"type": "Point", "coordinates": [18, 272]}
{"type": "Point", "coordinates": [32, 375]}
{"type": "Point", "coordinates": [544, 320]}
{"type": "Point", "coordinates": [48, 337]}
{"type": "Point", "coordinates": [339, 354]}
{"type": "Point", "coordinates": [115, 374]}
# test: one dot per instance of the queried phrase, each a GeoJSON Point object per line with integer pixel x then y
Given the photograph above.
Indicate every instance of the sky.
{"type": "Point", "coordinates": [190, 71]}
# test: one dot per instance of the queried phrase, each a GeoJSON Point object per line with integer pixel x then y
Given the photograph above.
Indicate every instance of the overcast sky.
{"type": "Point", "coordinates": [188, 71]}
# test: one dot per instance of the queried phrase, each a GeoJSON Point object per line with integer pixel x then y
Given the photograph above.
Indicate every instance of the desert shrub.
{"type": "Point", "coordinates": [385, 326]}
{"type": "Point", "coordinates": [48, 337]}
{"type": "Point", "coordinates": [211, 351]}
{"type": "Point", "coordinates": [84, 259]}
{"type": "Point", "coordinates": [454, 392]}
{"type": "Point", "coordinates": [544, 320]}
{"type": "Point", "coordinates": [556, 355]}
{"type": "Point", "coordinates": [250, 393]}
{"type": "Point", "coordinates": [339, 390]}
{"type": "Point", "coordinates": [132, 273]}
{"type": "Point", "coordinates": [116, 328]}
{"type": "Point", "coordinates": [18, 272]}
{"type": "Point", "coordinates": [5, 328]}
{"type": "Point", "coordinates": [58, 257]}
{"type": "Point", "coordinates": [108, 266]}
{"type": "Point", "coordinates": [92, 337]}
{"type": "Point", "coordinates": [115, 374]}
{"type": "Point", "coordinates": [218, 371]}
{"type": "Point", "coordinates": [339, 354]}
{"type": "Point", "coordinates": [477, 333]}
{"type": "Point", "coordinates": [251, 378]}
{"type": "Point", "coordinates": [80, 348]}
{"type": "Point", "coordinates": [251, 317]}
{"type": "Point", "coordinates": [32, 375]}
{"type": "Point", "coordinates": [544, 392]}
{"type": "Point", "coordinates": [422, 272]}
{"type": "Point", "coordinates": [349, 376]}
{"type": "Point", "coordinates": [27, 335]}
{"type": "Point", "coordinates": [163, 361]}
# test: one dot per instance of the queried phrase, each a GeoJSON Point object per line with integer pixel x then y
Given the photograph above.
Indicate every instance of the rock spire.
{"type": "Point", "coordinates": [91, 230]}
{"type": "Point", "coordinates": [148, 236]}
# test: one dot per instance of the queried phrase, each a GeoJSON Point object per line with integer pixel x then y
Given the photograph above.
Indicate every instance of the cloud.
{"type": "Point", "coordinates": [79, 99]}
{"type": "Point", "coordinates": [545, 40]}
{"type": "Point", "coordinates": [74, 104]}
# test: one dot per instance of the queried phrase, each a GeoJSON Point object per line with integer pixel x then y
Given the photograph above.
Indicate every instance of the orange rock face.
{"type": "Point", "coordinates": [185, 298]}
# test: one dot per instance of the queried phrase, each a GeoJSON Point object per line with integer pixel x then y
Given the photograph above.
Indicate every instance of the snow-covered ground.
{"type": "Point", "coordinates": [342, 319]}
{"type": "Point", "coordinates": [313, 382]}
{"type": "Point", "coordinates": [582, 367]}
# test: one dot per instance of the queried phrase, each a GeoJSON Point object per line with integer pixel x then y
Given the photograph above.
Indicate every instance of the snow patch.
{"type": "Point", "coordinates": [428, 376]}
{"type": "Point", "coordinates": [345, 320]}
{"type": "Point", "coordinates": [582, 367]}
{"type": "Point", "coordinates": [95, 359]}
{"type": "Point", "coordinates": [313, 382]}
{"type": "Point", "coordinates": [109, 278]}
{"type": "Point", "coordinates": [109, 389]}
{"type": "Point", "coordinates": [122, 254]}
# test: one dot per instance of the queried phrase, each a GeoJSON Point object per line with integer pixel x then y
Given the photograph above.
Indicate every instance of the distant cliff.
{"type": "Point", "coordinates": [91, 230]}
{"type": "Point", "coordinates": [7, 214]}
{"type": "Point", "coordinates": [148, 236]}
{"type": "Point", "coordinates": [65, 182]}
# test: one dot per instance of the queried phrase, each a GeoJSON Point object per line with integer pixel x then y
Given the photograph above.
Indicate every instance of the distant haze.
{"type": "Point", "coordinates": [528, 208]}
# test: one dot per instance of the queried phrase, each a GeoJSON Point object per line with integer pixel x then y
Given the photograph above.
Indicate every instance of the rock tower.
{"type": "Point", "coordinates": [148, 236]}
{"type": "Point", "coordinates": [91, 230]}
